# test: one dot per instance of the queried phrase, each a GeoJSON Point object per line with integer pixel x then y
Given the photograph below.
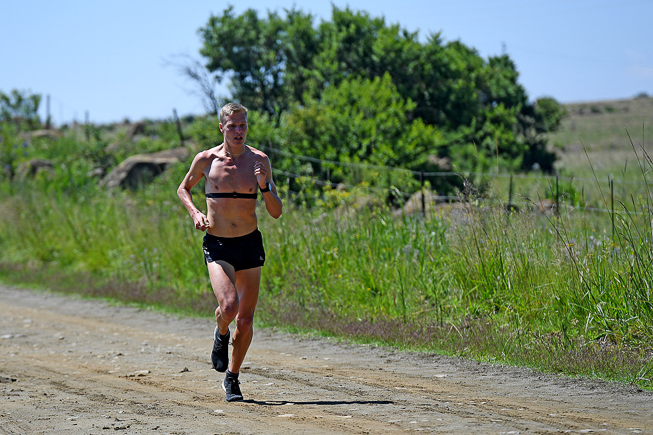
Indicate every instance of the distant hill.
{"type": "Point", "coordinates": [602, 127]}
{"type": "Point", "coordinates": [602, 124]}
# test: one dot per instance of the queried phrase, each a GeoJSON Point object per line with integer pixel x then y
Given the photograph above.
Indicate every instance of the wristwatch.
{"type": "Point", "coordinates": [267, 187]}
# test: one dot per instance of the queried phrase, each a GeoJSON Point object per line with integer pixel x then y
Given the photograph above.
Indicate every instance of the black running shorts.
{"type": "Point", "coordinates": [244, 252]}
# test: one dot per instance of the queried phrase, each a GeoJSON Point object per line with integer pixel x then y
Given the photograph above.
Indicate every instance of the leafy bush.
{"type": "Point", "coordinates": [360, 120]}
{"type": "Point", "coordinates": [20, 107]}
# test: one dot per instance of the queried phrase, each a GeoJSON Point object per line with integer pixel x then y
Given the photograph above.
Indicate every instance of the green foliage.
{"type": "Point", "coordinates": [206, 132]}
{"type": "Point", "coordinates": [266, 56]}
{"type": "Point", "coordinates": [20, 107]}
{"type": "Point", "coordinates": [549, 114]}
{"type": "Point", "coordinates": [499, 83]}
{"type": "Point", "coordinates": [361, 120]}
{"type": "Point", "coordinates": [8, 151]}
{"type": "Point", "coordinates": [286, 65]}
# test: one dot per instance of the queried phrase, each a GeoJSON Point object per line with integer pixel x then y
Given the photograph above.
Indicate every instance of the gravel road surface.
{"type": "Point", "coordinates": [77, 366]}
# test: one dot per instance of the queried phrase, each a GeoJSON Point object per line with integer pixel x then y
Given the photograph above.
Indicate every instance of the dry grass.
{"type": "Point", "coordinates": [600, 128]}
{"type": "Point", "coordinates": [481, 338]}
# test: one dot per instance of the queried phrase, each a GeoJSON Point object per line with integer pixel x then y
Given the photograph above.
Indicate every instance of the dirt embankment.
{"type": "Point", "coordinates": [76, 366]}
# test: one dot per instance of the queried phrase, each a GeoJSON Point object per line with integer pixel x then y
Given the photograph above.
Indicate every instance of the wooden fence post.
{"type": "Point", "coordinates": [421, 180]}
{"type": "Point", "coordinates": [181, 136]}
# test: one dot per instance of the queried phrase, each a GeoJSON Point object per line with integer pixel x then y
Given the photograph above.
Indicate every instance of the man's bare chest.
{"type": "Point", "coordinates": [224, 175]}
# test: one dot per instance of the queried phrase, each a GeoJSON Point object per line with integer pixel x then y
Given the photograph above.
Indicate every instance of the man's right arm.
{"type": "Point", "coordinates": [194, 175]}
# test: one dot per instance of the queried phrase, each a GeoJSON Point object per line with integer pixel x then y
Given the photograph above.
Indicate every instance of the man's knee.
{"type": "Point", "coordinates": [228, 311]}
{"type": "Point", "coordinates": [245, 322]}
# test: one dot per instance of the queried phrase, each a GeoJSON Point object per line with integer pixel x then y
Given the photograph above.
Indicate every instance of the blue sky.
{"type": "Point", "coordinates": [108, 57]}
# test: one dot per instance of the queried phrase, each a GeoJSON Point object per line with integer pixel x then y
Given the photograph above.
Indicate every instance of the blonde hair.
{"type": "Point", "coordinates": [229, 109]}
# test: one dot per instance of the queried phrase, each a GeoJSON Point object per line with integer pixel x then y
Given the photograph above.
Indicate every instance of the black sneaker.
{"type": "Point", "coordinates": [220, 352]}
{"type": "Point", "coordinates": [231, 386]}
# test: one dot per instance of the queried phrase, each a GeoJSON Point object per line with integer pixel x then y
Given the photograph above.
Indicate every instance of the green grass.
{"type": "Point", "coordinates": [468, 283]}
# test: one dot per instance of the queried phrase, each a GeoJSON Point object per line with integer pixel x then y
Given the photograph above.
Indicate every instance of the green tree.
{"type": "Point", "coordinates": [284, 63]}
{"type": "Point", "coordinates": [266, 59]}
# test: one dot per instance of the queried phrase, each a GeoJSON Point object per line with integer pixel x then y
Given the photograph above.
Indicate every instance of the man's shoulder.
{"type": "Point", "coordinates": [207, 155]}
{"type": "Point", "coordinates": [256, 151]}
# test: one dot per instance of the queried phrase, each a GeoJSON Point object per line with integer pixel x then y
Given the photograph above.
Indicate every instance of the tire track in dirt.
{"type": "Point", "coordinates": [86, 367]}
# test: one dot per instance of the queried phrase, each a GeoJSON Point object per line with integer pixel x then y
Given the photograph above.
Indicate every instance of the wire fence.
{"type": "Point", "coordinates": [555, 204]}
{"type": "Point", "coordinates": [275, 151]}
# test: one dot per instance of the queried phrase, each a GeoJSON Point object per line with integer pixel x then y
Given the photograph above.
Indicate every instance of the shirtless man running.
{"type": "Point", "coordinates": [233, 247]}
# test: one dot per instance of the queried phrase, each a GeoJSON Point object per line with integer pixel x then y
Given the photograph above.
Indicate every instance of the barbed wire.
{"type": "Point", "coordinates": [336, 185]}
{"type": "Point", "coordinates": [459, 198]}
{"type": "Point", "coordinates": [442, 173]}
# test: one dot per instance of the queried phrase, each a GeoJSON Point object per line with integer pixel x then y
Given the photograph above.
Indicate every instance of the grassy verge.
{"type": "Point", "coordinates": [552, 293]}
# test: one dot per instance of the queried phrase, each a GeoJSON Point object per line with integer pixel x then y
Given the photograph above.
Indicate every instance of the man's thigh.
{"type": "Point", "coordinates": [223, 279]}
{"type": "Point", "coordinates": [248, 282]}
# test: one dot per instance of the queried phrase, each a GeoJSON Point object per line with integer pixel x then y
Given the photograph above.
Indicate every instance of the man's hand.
{"type": "Point", "coordinates": [261, 174]}
{"type": "Point", "coordinates": [201, 221]}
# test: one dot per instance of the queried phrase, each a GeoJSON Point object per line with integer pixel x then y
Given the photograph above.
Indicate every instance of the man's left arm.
{"type": "Point", "coordinates": [273, 204]}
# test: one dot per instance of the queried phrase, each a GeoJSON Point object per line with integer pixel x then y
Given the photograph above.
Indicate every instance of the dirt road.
{"type": "Point", "coordinates": [78, 366]}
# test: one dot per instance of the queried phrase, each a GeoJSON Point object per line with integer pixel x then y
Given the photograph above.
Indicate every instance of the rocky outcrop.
{"type": "Point", "coordinates": [48, 134]}
{"type": "Point", "coordinates": [141, 169]}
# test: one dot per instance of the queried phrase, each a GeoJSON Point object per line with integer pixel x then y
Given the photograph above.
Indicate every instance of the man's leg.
{"type": "Point", "coordinates": [223, 279]}
{"type": "Point", "coordinates": [247, 285]}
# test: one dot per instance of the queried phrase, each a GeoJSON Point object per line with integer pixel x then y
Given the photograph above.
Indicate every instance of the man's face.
{"type": "Point", "coordinates": [235, 128]}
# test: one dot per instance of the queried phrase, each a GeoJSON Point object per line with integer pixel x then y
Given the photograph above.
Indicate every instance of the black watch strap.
{"type": "Point", "coordinates": [267, 187]}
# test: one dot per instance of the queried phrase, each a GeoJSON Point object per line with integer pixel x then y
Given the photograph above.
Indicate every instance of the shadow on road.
{"type": "Point", "coordinates": [320, 402]}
